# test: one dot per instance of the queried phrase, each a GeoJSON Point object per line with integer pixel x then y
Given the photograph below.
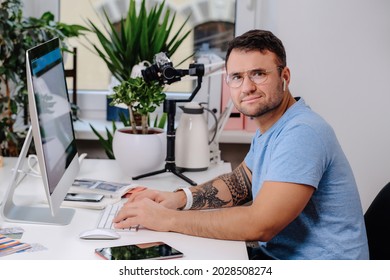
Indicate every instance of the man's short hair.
{"type": "Point", "coordinates": [259, 40]}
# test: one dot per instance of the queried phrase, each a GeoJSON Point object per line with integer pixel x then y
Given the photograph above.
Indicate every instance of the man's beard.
{"type": "Point", "coordinates": [262, 109]}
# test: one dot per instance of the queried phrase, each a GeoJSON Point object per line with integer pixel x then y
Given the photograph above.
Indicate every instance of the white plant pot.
{"type": "Point", "coordinates": [138, 154]}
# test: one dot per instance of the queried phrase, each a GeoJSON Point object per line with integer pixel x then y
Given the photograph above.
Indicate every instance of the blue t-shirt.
{"type": "Point", "coordinates": [302, 148]}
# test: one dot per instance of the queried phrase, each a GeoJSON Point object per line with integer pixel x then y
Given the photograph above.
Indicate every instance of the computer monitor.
{"type": "Point", "coordinates": [53, 135]}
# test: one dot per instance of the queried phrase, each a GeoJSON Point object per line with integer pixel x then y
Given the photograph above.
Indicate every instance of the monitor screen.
{"type": "Point", "coordinates": [53, 135]}
{"type": "Point", "coordinates": [53, 111]}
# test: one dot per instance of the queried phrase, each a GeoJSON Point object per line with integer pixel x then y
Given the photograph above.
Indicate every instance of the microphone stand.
{"type": "Point", "coordinates": [170, 109]}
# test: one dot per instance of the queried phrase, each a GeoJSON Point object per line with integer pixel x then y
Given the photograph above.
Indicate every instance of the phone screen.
{"type": "Point", "coordinates": [155, 250]}
{"type": "Point", "coordinates": [84, 197]}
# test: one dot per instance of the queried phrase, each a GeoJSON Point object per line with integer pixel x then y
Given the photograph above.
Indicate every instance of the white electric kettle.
{"type": "Point", "coordinates": [192, 151]}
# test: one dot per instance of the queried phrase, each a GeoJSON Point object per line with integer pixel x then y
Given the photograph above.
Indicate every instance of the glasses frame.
{"type": "Point", "coordinates": [246, 73]}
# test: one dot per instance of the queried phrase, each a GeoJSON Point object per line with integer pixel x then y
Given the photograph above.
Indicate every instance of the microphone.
{"type": "Point", "coordinates": [164, 72]}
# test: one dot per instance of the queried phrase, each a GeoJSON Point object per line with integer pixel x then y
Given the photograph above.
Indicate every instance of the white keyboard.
{"type": "Point", "coordinates": [108, 215]}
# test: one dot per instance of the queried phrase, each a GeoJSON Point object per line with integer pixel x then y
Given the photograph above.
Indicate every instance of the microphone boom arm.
{"type": "Point", "coordinates": [170, 109]}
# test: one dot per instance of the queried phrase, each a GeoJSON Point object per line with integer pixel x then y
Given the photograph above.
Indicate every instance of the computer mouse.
{"type": "Point", "coordinates": [98, 233]}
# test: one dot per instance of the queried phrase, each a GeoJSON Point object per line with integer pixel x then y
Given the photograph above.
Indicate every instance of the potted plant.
{"type": "Point", "coordinates": [18, 34]}
{"type": "Point", "coordinates": [138, 38]}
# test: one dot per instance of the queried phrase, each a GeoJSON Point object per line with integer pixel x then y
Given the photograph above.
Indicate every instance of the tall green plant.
{"type": "Point", "coordinates": [139, 37]}
{"type": "Point", "coordinates": [18, 34]}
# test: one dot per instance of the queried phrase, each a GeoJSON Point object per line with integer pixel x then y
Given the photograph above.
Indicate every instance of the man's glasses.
{"type": "Point", "coordinates": [257, 76]}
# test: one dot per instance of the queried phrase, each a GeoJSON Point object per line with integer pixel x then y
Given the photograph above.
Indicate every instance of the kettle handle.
{"type": "Point", "coordinates": [216, 123]}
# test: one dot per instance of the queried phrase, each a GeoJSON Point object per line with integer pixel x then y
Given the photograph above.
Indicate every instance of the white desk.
{"type": "Point", "coordinates": [62, 242]}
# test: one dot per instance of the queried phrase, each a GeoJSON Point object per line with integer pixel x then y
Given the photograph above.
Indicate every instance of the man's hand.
{"type": "Point", "coordinates": [144, 212]}
{"type": "Point", "coordinates": [171, 200]}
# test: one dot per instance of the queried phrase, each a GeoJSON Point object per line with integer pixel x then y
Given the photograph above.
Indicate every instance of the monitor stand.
{"type": "Point", "coordinates": [30, 214]}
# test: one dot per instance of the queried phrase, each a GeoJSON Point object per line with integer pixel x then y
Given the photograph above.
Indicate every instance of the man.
{"type": "Point", "coordinates": [294, 193]}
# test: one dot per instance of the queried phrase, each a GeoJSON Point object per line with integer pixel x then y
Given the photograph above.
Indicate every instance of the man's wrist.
{"type": "Point", "coordinates": [188, 198]}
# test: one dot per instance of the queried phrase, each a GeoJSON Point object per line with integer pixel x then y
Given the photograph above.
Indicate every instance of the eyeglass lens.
{"type": "Point", "coordinates": [257, 76]}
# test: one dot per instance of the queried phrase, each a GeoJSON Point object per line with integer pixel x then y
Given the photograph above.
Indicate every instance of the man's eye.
{"type": "Point", "coordinates": [258, 73]}
{"type": "Point", "coordinates": [236, 77]}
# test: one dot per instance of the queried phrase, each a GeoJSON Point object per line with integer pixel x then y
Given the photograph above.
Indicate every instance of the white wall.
{"type": "Point", "coordinates": [339, 55]}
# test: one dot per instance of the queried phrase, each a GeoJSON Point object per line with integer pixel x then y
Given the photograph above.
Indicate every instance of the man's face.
{"type": "Point", "coordinates": [251, 99]}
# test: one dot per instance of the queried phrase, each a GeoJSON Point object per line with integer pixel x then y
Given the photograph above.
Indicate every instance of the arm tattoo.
{"type": "Point", "coordinates": [207, 196]}
{"type": "Point", "coordinates": [239, 185]}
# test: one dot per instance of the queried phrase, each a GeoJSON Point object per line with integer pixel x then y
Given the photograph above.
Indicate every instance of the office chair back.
{"type": "Point", "coordinates": [378, 225]}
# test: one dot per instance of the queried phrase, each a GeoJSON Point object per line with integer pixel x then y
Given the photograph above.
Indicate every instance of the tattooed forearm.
{"type": "Point", "coordinates": [226, 190]}
{"type": "Point", "coordinates": [239, 185]}
{"type": "Point", "coordinates": [206, 197]}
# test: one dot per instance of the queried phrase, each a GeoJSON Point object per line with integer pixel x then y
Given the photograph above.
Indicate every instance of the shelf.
{"type": "Point", "coordinates": [83, 131]}
{"type": "Point", "coordinates": [236, 136]}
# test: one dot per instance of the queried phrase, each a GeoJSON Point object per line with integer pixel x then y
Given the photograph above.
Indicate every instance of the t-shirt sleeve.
{"type": "Point", "coordinates": [297, 156]}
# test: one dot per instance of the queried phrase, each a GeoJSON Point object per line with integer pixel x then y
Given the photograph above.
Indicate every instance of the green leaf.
{"type": "Point", "coordinates": [163, 121]}
{"type": "Point", "coordinates": [106, 144]}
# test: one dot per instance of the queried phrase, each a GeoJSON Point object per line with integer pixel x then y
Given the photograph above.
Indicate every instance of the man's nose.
{"type": "Point", "coordinates": [247, 84]}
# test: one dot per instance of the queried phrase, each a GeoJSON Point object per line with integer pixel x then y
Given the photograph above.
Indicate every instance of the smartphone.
{"type": "Point", "coordinates": [84, 197]}
{"type": "Point", "coordinates": [143, 251]}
